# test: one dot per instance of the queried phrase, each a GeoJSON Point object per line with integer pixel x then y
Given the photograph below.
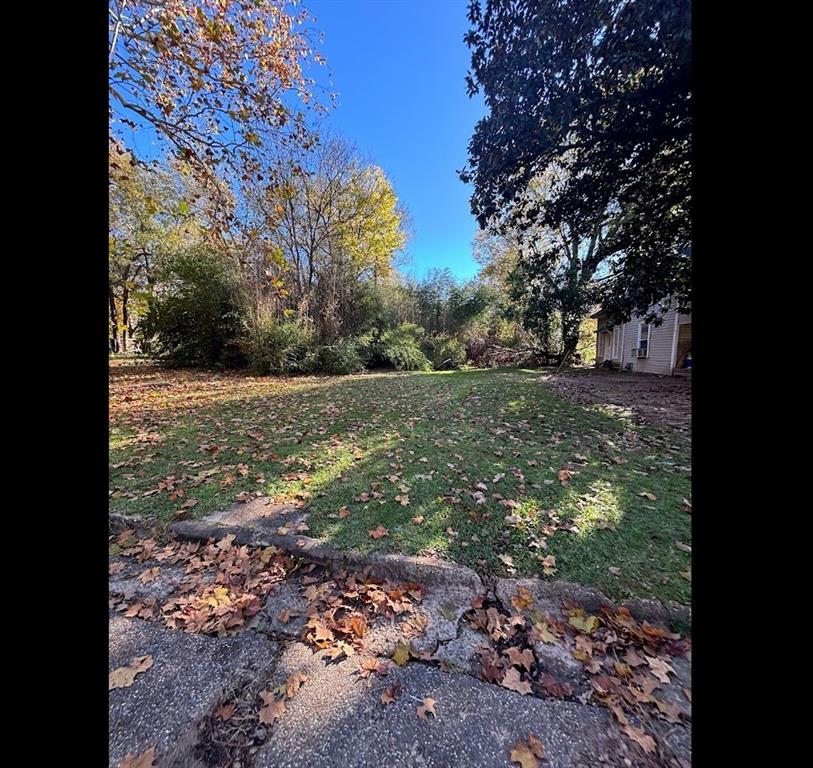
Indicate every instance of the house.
{"type": "Point", "coordinates": [663, 349]}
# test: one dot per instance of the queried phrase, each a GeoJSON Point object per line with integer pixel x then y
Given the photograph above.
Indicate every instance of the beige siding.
{"type": "Point", "coordinates": [661, 338]}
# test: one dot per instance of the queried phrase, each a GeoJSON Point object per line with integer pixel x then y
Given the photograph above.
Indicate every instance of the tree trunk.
{"type": "Point", "coordinates": [125, 317]}
{"type": "Point", "coordinates": [114, 320]}
{"type": "Point", "coordinates": [570, 340]}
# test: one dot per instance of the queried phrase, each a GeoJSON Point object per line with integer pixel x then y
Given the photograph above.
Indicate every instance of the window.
{"type": "Point", "coordinates": [643, 339]}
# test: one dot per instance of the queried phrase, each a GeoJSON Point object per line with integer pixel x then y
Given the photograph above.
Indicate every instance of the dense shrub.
{"type": "Point", "coordinates": [445, 351]}
{"type": "Point", "coordinates": [341, 357]}
{"type": "Point", "coordinates": [400, 348]}
{"type": "Point", "coordinates": [194, 320]}
{"type": "Point", "coordinates": [274, 345]}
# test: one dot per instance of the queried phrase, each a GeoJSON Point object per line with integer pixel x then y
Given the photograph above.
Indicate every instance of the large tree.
{"type": "Point", "coordinates": [217, 81]}
{"type": "Point", "coordinates": [602, 90]}
{"type": "Point", "coordinates": [326, 224]}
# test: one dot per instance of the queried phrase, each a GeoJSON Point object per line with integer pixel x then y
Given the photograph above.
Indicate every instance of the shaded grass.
{"type": "Point", "coordinates": [432, 437]}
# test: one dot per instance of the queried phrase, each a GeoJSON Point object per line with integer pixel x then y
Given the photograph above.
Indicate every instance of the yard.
{"type": "Point", "coordinates": [489, 468]}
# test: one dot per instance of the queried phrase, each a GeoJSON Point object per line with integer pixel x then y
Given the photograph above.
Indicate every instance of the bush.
{"type": "Point", "coordinates": [341, 357]}
{"type": "Point", "coordinates": [400, 348]}
{"type": "Point", "coordinates": [195, 319]}
{"type": "Point", "coordinates": [273, 345]}
{"type": "Point", "coordinates": [445, 351]}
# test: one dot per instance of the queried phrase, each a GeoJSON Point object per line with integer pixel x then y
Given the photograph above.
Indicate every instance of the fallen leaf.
{"type": "Point", "coordinates": [123, 677]}
{"type": "Point", "coordinates": [648, 495]}
{"type": "Point", "coordinates": [583, 623]}
{"type": "Point", "coordinates": [633, 659]}
{"type": "Point", "coordinates": [401, 654]}
{"type": "Point", "coordinates": [343, 511]}
{"type": "Point", "coordinates": [522, 754]}
{"type": "Point", "coordinates": [647, 743]}
{"type": "Point", "coordinates": [554, 687]}
{"type": "Point", "coordinates": [671, 712]}
{"type": "Point", "coordinates": [528, 754]}
{"type": "Point", "coordinates": [145, 760]}
{"type": "Point", "coordinates": [294, 683]}
{"type": "Point", "coordinates": [683, 547]}
{"type": "Point", "coordinates": [513, 682]}
{"type": "Point", "coordinates": [225, 711]}
{"type": "Point", "coordinates": [507, 559]}
{"type": "Point", "coordinates": [523, 658]}
{"type": "Point", "coordinates": [273, 711]}
{"type": "Point", "coordinates": [391, 693]}
{"type": "Point", "coordinates": [379, 532]}
{"type": "Point", "coordinates": [614, 570]}
{"type": "Point", "coordinates": [428, 707]}
{"type": "Point", "coordinates": [418, 519]}
{"type": "Point", "coordinates": [149, 575]}
{"type": "Point", "coordinates": [523, 599]}
{"type": "Point", "coordinates": [660, 668]}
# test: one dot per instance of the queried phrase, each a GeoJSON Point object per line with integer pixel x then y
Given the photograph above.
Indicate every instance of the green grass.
{"type": "Point", "coordinates": [438, 434]}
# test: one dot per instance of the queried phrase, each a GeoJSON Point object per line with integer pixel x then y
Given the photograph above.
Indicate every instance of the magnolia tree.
{"type": "Point", "coordinates": [603, 89]}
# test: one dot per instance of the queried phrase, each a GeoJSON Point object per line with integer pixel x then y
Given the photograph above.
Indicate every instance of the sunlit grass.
{"type": "Point", "coordinates": [330, 440]}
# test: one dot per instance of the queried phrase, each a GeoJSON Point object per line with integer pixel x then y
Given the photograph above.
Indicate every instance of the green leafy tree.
{"type": "Point", "coordinates": [600, 90]}
{"type": "Point", "coordinates": [195, 318]}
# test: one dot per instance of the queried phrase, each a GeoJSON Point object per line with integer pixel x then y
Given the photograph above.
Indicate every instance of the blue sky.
{"type": "Point", "coordinates": [399, 68]}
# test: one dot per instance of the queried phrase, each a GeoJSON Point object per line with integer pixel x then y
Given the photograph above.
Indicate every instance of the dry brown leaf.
{"type": "Point", "coordinates": [523, 599]}
{"type": "Point", "coordinates": [523, 658]}
{"type": "Point", "coordinates": [427, 708]}
{"type": "Point", "coordinates": [145, 760]}
{"type": "Point", "coordinates": [225, 711]}
{"type": "Point", "coordinates": [379, 532]}
{"type": "Point", "coordinates": [514, 682]}
{"type": "Point", "coordinates": [391, 693]}
{"type": "Point", "coordinates": [273, 711]}
{"type": "Point", "coordinates": [123, 677]}
{"type": "Point", "coordinates": [647, 743]}
{"type": "Point", "coordinates": [145, 577]}
{"type": "Point", "coordinates": [524, 756]}
{"type": "Point", "coordinates": [294, 683]}
{"type": "Point", "coordinates": [660, 668]}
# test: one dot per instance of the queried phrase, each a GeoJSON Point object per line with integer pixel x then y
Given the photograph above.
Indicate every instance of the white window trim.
{"type": "Point", "coordinates": [648, 339]}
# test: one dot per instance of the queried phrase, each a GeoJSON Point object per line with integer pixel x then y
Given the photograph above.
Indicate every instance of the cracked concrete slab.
{"type": "Point", "coordinates": [338, 719]}
{"type": "Point", "coordinates": [164, 704]}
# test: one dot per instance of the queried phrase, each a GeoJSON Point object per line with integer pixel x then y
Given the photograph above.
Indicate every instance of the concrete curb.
{"type": "Point", "coordinates": [591, 599]}
{"type": "Point", "coordinates": [426, 570]}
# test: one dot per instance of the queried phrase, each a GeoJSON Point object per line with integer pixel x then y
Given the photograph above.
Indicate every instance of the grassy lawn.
{"type": "Point", "coordinates": [429, 439]}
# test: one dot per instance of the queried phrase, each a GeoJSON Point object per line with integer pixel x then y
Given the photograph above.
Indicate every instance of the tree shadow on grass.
{"type": "Point", "coordinates": [430, 439]}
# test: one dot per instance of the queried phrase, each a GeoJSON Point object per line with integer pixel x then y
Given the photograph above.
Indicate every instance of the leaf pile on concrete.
{"type": "Point", "coordinates": [342, 608]}
{"type": "Point", "coordinates": [223, 585]}
{"type": "Point", "coordinates": [627, 663]}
